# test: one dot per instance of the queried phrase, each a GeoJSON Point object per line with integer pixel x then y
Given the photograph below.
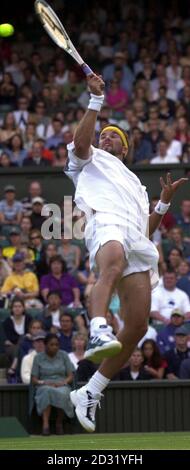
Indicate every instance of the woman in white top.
{"type": "Point", "coordinates": [79, 342]}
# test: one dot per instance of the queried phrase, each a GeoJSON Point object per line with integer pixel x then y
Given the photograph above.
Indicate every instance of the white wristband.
{"type": "Point", "coordinates": [161, 208]}
{"type": "Point", "coordinates": [96, 102]}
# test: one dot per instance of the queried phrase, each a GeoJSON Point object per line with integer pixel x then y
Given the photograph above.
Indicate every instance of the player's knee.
{"type": "Point", "coordinates": [112, 274]}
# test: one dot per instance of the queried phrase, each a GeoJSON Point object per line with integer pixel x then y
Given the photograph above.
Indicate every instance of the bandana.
{"type": "Point", "coordinates": [119, 132]}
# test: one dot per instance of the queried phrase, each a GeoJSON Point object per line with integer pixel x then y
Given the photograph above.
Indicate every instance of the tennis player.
{"type": "Point", "coordinates": [117, 237]}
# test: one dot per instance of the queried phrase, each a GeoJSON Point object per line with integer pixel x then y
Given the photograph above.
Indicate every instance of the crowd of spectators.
{"type": "Point", "coordinates": [144, 58]}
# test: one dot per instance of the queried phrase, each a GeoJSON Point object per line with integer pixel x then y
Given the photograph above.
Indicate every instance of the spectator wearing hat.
{"type": "Point", "coordinates": [15, 243]}
{"type": "Point", "coordinates": [166, 335]}
{"type": "Point", "coordinates": [23, 284]}
{"type": "Point", "coordinates": [36, 218]}
{"type": "Point", "coordinates": [27, 361]}
{"type": "Point", "coordinates": [35, 190]}
{"type": "Point", "coordinates": [175, 356]}
{"type": "Point", "coordinates": [11, 210]}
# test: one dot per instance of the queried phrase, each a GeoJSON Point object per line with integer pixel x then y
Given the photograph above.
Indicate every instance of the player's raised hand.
{"type": "Point", "coordinates": [169, 187]}
{"type": "Point", "coordinates": [95, 84]}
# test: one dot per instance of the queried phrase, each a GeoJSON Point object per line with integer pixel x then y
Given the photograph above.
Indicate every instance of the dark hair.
{"type": "Point", "coordinates": [54, 292]}
{"type": "Point", "coordinates": [14, 301]}
{"type": "Point", "coordinates": [49, 337]}
{"type": "Point", "coordinates": [156, 359]}
{"type": "Point", "coordinates": [60, 260]}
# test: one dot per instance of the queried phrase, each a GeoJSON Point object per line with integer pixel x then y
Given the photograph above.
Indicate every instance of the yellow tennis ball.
{"type": "Point", "coordinates": [6, 30]}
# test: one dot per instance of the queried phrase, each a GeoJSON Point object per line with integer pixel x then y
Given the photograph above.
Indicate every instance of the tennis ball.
{"type": "Point", "coordinates": [6, 30]}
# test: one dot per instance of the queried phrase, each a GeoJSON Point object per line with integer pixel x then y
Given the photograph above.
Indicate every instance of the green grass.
{"type": "Point", "coordinates": [156, 441]}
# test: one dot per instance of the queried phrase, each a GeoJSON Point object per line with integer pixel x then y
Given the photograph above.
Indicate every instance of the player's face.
{"type": "Point", "coordinates": [111, 142]}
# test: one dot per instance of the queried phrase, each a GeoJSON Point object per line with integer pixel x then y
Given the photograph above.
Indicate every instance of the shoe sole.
{"type": "Point", "coordinates": [81, 418]}
{"type": "Point", "coordinates": [102, 352]}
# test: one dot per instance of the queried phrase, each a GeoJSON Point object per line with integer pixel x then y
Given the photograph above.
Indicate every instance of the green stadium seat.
{"type": "Point", "coordinates": [4, 313]}
{"type": "Point", "coordinates": [34, 312]}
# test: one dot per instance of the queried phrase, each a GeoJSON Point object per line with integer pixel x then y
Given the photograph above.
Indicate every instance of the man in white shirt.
{"type": "Point", "coordinates": [27, 361]}
{"type": "Point", "coordinates": [168, 297]}
{"type": "Point", "coordinates": [117, 212]}
{"type": "Point", "coordinates": [163, 156]}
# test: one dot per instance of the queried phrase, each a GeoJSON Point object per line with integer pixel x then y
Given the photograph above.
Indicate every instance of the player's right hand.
{"type": "Point", "coordinates": [95, 84]}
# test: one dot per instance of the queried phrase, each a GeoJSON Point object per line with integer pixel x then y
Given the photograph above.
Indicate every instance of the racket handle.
{"type": "Point", "coordinates": [86, 69]}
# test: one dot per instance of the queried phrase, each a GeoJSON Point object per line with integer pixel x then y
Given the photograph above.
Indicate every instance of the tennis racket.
{"type": "Point", "coordinates": [57, 32]}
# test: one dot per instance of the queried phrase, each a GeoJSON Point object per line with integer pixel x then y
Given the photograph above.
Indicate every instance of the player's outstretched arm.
{"type": "Point", "coordinates": [84, 133]}
{"type": "Point", "coordinates": [168, 190]}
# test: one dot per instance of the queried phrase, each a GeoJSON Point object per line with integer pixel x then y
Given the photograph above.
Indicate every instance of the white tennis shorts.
{"type": "Point", "coordinates": [141, 255]}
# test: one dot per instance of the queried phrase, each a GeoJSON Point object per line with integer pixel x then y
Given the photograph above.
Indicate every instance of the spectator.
{"type": "Point", "coordinates": [135, 370]}
{"type": "Point", "coordinates": [175, 356]}
{"type": "Point", "coordinates": [167, 297]}
{"type": "Point", "coordinates": [52, 312]}
{"type": "Point", "coordinates": [58, 279]}
{"type": "Point", "coordinates": [10, 208]}
{"type": "Point", "coordinates": [15, 327]}
{"type": "Point", "coordinates": [70, 253]}
{"type": "Point", "coordinates": [16, 150]}
{"type": "Point", "coordinates": [166, 335]}
{"type": "Point", "coordinates": [22, 283]}
{"type": "Point", "coordinates": [66, 332]}
{"type": "Point", "coordinates": [15, 243]}
{"type": "Point", "coordinates": [154, 364]}
{"type": "Point", "coordinates": [142, 151]}
{"type": "Point", "coordinates": [183, 219]}
{"type": "Point", "coordinates": [38, 346]}
{"type": "Point", "coordinates": [36, 218]}
{"type": "Point", "coordinates": [52, 376]}
{"type": "Point", "coordinates": [79, 342]}
{"type": "Point", "coordinates": [35, 190]}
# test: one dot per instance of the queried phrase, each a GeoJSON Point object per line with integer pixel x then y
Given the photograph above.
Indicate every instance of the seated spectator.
{"type": "Point", "coordinates": [175, 240]}
{"type": "Point", "coordinates": [174, 259]}
{"type": "Point", "coordinates": [36, 218]}
{"type": "Point", "coordinates": [142, 150]}
{"type": "Point", "coordinates": [166, 335]}
{"type": "Point", "coordinates": [116, 98]}
{"type": "Point", "coordinates": [36, 244]}
{"type": "Point", "coordinates": [38, 346]}
{"type": "Point", "coordinates": [79, 342]}
{"type": "Point", "coordinates": [16, 150]}
{"type": "Point", "coordinates": [23, 284]}
{"type": "Point", "coordinates": [175, 356]}
{"type": "Point", "coordinates": [5, 269]}
{"type": "Point", "coordinates": [71, 254]}
{"type": "Point", "coordinates": [5, 161]}
{"type": "Point", "coordinates": [66, 332]}
{"type": "Point", "coordinates": [15, 327]}
{"type": "Point", "coordinates": [60, 156]}
{"type": "Point", "coordinates": [15, 243]}
{"type": "Point", "coordinates": [35, 157]}
{"type": "Point", "coordinates": [35, 190]}
{"type": "Point", "coordinates": [153, 363]}
{"type": "Point", "coordinates": [52, 312]}
{"type": "Point", "coordinates": [43, 264]}
{"type": "Point", "coordinates": [10, 209]}
{"type": "Point", "coordinates": [135, 370]}
{"type": "Point", "coordinates": [183, 219]}
{"type": "Point", "coordinates": [8, 129]}
{"type": "Point", "coordinates": [52, 377]}
{"type": "Point", "coordinates": [25, 226]}
{"type": "Point", "coordinates": [183, 278]}
{"type": "Point", "coordinates": [163, 157]}
{"type": "Point", "coordinates": [58, 279]}
{"type": "Point", "coordinates": [167, 297]}
{"type": "Point", "coordinates": [26, 345]}
{"type": "Point", "coordinates": [184, 371]}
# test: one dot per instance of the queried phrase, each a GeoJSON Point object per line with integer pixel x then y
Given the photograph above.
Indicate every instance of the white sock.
{"type": "Point", "coordinates": [96, 323]}
{"type": "Point", "coordinates": [97, 383]}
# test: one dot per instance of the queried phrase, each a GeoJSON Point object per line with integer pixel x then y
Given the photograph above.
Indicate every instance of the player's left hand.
{"type": "Point", "coordinates": [169, 188]}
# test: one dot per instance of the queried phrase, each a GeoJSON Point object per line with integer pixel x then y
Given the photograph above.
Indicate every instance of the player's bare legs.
{"type": "Point", "coordinates": [135, 294]}
{"type": "Point", "coordinates": [111, 262]}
